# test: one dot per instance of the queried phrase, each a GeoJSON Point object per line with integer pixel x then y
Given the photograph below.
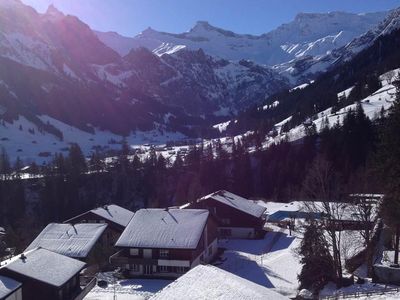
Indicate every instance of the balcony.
{"type": "Point", "coordinates": [122, 258]}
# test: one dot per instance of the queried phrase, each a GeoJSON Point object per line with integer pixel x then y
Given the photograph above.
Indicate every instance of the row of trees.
{"type": "Point", "coordinates": [375, 169]}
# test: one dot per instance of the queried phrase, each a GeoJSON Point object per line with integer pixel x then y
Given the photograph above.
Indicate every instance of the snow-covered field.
{"type": "Point", "coordinates": [271, 262]}
{"type": "Point", "coordinates": [23, 139]}
{"type": "Point", "coordinates": [126, 289]}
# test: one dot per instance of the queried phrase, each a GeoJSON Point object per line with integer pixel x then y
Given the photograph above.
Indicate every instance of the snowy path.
{"type": "Point", "coordinates": [271, 262]}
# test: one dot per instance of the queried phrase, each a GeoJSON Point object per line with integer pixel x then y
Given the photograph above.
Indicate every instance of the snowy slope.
{"type": "Point", "coordinates": [18, 139]}
{"type": "Point", "coordinates": [301, 37]}
{"type": "Point", "coordinates": [270, 262]}
{"type": "Point", "coordinates": [372, 105]}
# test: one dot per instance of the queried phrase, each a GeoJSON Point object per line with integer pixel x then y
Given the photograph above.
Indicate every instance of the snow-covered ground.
{"type": "Point", "coordinates": [23, 139]}
{"type": "Point", "coordinates": [126, 289]}
{"type": "Point", "coordinates": [271, 262]}
{"type": "Point", "coordinates": [368, 286]}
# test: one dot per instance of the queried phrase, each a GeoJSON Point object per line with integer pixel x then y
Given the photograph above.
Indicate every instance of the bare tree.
{"type": "Point", "coordinates": [323, 187]}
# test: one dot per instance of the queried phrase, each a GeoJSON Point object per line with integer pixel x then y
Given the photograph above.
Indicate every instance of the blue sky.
{"type": "Point", "coordinates": [130, 17]}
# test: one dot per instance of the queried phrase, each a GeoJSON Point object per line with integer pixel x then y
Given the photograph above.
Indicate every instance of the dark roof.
{"type": "Point", "coordinates": [45, 266]}
{"type": "Point", "coordinates": [162, 228]}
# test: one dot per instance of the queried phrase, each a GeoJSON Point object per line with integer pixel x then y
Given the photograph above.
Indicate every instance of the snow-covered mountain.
{"type": "Point", "coordinates": [309, 34]}
{"type": "Point", "coordinates": [55, 65]}
{"type": "Point", "coordinates": [301, 68]}
{"type": "Point", "coordinates": [60, 79]}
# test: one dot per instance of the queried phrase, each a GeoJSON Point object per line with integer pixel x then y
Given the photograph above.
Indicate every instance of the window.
{"type": "Point", "coordinates": [164, 253]}
{"type": "Point", "coordinates": [225, 232]}
{"type": "Point", "coordinates": [180, 270]}
{"type": "Point", "coordinates": [135, 268]}
{"type": "Point", "coordinates": [163, 269]}
{"type": "Point", "coordinates": [134, 252]}
{"type": "Point", "coordinates": [225, 221]}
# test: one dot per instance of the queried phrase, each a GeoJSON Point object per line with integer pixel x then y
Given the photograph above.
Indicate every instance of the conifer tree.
{"type": "Point", "coordinates": [389, 160]}
{"type": "Point", "coordinates": [316, 259]}
{"type": "Point", "coordinates": [5, 166]}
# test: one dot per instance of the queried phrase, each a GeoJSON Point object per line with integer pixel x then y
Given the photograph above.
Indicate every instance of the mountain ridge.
{"type": "Point", "coordinates": [271, 48]}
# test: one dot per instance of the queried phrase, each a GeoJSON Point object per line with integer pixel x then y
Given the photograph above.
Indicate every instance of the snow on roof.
{"type": "Point", "coordinates": [114, 213]}
{"type": "Point", "coordinates": [161, 228]}
{"type": "Point", "coordinates": [271, 207]}
{"type": "Point", "coordinates": [237, 202]}
{"type": "Point", "coordinates": [209, 282]}
{"type": "Point", "coordinates": [305, 209]}
{"type": "Point", "coordinates": [45, 266]}
{"type": "Point", "coordinates": [70, 240]}
{"type": "Point", "coordinates": [8, 286]}
{"type": "Point", "coordinates": [186, 205]}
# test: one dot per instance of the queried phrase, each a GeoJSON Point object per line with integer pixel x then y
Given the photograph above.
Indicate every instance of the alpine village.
{"type": "Point", "coordinates": [203, 164]}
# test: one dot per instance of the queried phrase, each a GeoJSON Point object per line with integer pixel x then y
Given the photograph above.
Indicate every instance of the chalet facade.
{"type": "Point", "coordinates": [79, 241]}
{"type": "Point", "coordinates": [10, 289]}
{"type": "Point", "coordinates": [237, 217]}
{"type": "Point", "coordinates": [166, 243]}
{"type": "Point", "coordinates": [116, 217]}
{"type": "Point", "coordinates": [46, 275]}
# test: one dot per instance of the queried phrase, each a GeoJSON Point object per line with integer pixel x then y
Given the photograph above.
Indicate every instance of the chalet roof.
{"type": "Point", "coordinates": [45, 266]}
{"type": "Point", "coordinates": [237, 202]}
{"type": "Point", "coordinates": [306, 209]}
{"type": "Point", "coordinates": [8, 286]}
{"type": "Point", "coordinates": [111, 212]}
{"type": "Point", "coordinates": [162, 228]}
{"type": "Point", "coordinates": [70, 240]}
{"type": "Point", "coordinates": [209, 282]}
{"type": "Point", "coordinates": [114, 213]}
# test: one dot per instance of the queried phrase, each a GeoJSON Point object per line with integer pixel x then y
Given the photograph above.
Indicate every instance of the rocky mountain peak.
{"type": "Point", "coordinates": [54, 12]}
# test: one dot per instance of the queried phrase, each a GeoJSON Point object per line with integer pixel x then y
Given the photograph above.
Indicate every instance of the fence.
{"type": "Point", "coordinates": [341, 295]}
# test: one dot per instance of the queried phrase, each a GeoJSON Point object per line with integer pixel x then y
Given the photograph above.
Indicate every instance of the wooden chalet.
{"type": "Point", "coordinates": [46, 275]}
{"type": "Point", "coordinates": [166, 242]}
{"type": "Point", "coordinates": [79, 241]}
{"type": "Point", "coordinates": [237, 217]}
{"type": "Point", "coordinates": [116, 217]}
